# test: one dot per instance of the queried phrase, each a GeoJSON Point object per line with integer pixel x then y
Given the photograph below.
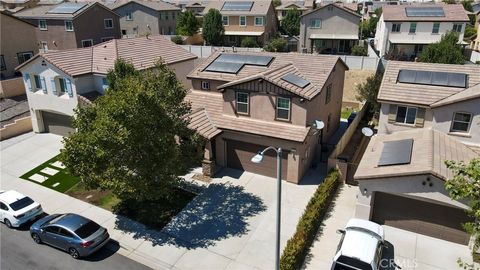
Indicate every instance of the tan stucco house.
{"type": "Point", "coordinates": [430, 113]}
{"type": "Point", "coordinates": [302, 6]}
{"type": "Point", "coordinates": [243, 102]}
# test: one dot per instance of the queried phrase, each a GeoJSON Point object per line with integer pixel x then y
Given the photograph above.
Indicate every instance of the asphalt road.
{"type": "Point", "coordinates": [18, 251]}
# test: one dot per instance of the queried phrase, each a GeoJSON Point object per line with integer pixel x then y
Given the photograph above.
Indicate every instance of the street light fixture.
{"type": "Point", "coordinates": [258, 158]}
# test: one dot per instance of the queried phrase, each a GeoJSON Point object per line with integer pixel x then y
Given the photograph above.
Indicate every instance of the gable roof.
{"type": "Point", "coordinates": [292, 4]}
{"type": "Point", "coordinates": [155, 5]}
{"type": "Point", "coordinates": [453, 13]}
{"type": "Point", "coordinates": [314, 68]}
{"type": "Point", "coordinates": [201, 121]}
{"type": "Point", "coordinates": [431, 148]}
{"type": "Point", "coordinates": [43, 11]}
{"type": "Point", "coordinates": [470, 93]}
{"type": "Point", "coordinates": [142, 52]}
{"type": "Point", "coordinates": [424, 95]}
{"type": "Point", "coordinates": [259, 7]}
{"type": "Point", "coordinates": [339, 6]}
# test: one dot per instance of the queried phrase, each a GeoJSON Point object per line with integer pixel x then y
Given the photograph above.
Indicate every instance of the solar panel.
{"type": "Point", "coordinates": [67, 8]}
{"type": "Point", "coordinates": [232, 63]}
{"type": "Point", "coordinates": [396, 153]}
{"type": "Point", "coordinates": [226, 67]}
{"type": "Point", "coordinates": [295, 80]}
{"type": "Point", "coordinates": [433, 78]}
{"type": "Point", "coordinates": [237, 5]}
{"type": "Point", "coordinates": [424, 12]}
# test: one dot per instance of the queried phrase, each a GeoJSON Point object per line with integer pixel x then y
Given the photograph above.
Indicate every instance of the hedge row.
{"type": "Point", "coordinates": [297, 247]}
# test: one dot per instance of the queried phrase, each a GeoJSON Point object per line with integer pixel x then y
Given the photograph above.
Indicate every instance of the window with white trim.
{"type": "Point", "coordinates": [315, 23]}
{"type": "Point", "coordinates": [108, 23]}
{"type": "Point", "coordinates": [457, 27]}
{"type": "Point", "coordinates": [63, 86]}
{"type": "Point", "coordinates": [68, 26]}
{"type": "Point", "coordinates": [396, 27]}
{"type": "Point", "coordinates": [436, 28]}
{"type": "Point", "coordinates": [258, 21]}
{"type": "Point", "coordinates": [24, 56]}
{"type": "Point", "coordinates": [406, 115]}
{"type": "Point", "coordinates": [461, 122]}
{"type": "Point", "coordinates": [225, 20]}
{"type": "Point", "coordinates": [129, 16]}
{"type": "Point", "coordinates": [242, 102]}
{"type": "Point", "coordinates": [243, 21]}
{"type": "Point", "coordinates": [38, 82]}
{"type": "Point", "coordinates": [283, 108]}
{"type": "Point", "coordinates": [42, 24]}
{"type": "Point", "coordinates": [87, 43]}
{"type": "Point", "coordinates": [205, 85]}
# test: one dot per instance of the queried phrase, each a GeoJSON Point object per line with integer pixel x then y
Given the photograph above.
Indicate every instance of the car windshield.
{"type": "Point", "coordinates": [22, 203]}
{"type": "Point", "coordinates": [347, 263]}
{"type": "Point", "coordinates": [87, 229]}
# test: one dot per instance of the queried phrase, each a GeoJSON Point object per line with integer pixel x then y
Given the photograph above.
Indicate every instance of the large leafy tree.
{"type": "Point", "coordinates": [187, 24]}
{"type": "Point", "coordinates": [213, 29]}
{"type": "Point", "coordinates": [134, 140]}
{"type": "Point", "coordinates": [446, 51]}
{"type": "Point", "coordinates": [290, 24]}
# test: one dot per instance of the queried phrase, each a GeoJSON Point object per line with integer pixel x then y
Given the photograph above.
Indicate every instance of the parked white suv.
{"type": "Point", "coordinates": [16, 208]}
{"type": "Point", "coordinates": [361, 246]}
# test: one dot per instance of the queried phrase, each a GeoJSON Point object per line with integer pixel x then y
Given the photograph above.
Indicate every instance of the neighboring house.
{"type": "Point", "coordinates": [476, 42]}
{"type": "Point", "coordinates": [142, 17]}
{"type": "Point", "coordinates": [403, 31]}
{"type": "Point", "coordinates": [241, 19]}
{"type": "Point", "coordinates": [330, 29]}
{"type": "Point", "coordinates": [429, 114]}
{"type": "Point", "coordinates": [72, 25]}
{"type": "Point", "coordinates": [302, 6]}
{"type": "Point", "coordinates": [17, 45]}
{"type": "Point", "coordinates": [244, 102]}
{"type": "Point", "coordinates": [197, 7]}
{"type": "Point", "coordinates": [13, 6]}
{"type": "Point", "coordinates": [57, 82]}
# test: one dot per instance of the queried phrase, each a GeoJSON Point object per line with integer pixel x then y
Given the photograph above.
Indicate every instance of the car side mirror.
{"type": "Point", "coordinates": [341, 231]}
{"type": "Point", "coordinates": [42, 230]}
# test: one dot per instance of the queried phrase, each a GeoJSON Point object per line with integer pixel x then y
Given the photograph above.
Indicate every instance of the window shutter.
{"type": "Point", "coordinates": [54, 87]}
{"type": "Point", "coordinates": [44, 85]}
{"type": "Point", "coordinates": [392, 115]}
{"type": "Point", "coordinates": [26, 77]}
{"type": "Point", "coordinates": [420, 120]}
{"type": "Point", "coordinates": [69, 87]}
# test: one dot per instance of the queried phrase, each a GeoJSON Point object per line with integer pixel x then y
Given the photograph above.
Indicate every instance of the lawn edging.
{"type": "Point", "coordinates": [297, 247]}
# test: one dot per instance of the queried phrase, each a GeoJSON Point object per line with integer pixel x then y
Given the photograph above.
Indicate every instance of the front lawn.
{"type": "Point", "coordinates": [102, 198]}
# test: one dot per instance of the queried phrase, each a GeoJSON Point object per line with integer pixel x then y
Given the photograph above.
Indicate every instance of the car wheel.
{"type": "Point", "coordinates": [36, 238]}
{"type": "Point", "coordinates": [8, 223]}
{"type": "Point", "coordinates": [74, 253]}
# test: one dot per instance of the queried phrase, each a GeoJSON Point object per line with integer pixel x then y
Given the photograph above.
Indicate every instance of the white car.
{"type": "Point", "coordinates": [361, 246]}
{"type": "Point", "coordinates": [16, 208]}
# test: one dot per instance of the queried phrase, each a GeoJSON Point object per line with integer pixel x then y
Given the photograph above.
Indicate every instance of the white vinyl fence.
{"type": "Point", "coordinates": [206, 51]}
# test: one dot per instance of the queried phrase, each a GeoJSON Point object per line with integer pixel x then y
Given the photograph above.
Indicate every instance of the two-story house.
{"type": "Point", "coordinates": [241, 19]}
{"type": "Point", "coordinates": [57, 82]}
{"type": "Point", "coordinates": [404, 30]}
{"type": "Point", "coordinates": [141, 17]}
{"type": "Point", "coordinates": [430, 113]}
{"type": "Point", "coordinates": [303, 6]}
{"type": "Point", "coordinates": [330, 29]}
{"type": "Point", "coordinates": [72, 25]}
{"type": "Point", "coordinates": [244, 102]}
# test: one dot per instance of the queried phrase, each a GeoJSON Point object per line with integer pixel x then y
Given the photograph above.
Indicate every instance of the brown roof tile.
{"type": "Point", "coordinates": [155, 5]}
{"type": "Point", "coordinates": [260, 7]}
{"type": "Point", "coordinates": [453, 13]}
{"type": "Point", "coordinates": [470, 93]}
{"type": "Point", "coordinates": [201, 121]}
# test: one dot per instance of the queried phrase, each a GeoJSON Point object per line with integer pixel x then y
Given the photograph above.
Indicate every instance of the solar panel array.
{"type": "Point", "coordinates": [232, 63]}
{"type": "Point", "coordinates": [433, 78]}
{"type": "Point", "coordinates": [424, 12]}
{"type": "Point", "coordinates": [237, 6]}
{"type": "Point", "coordinates": [67, 8]}
{"type": "Point", "coordinates": [295, 80]}
{"type": "Point", "coordinates": [396, 153]}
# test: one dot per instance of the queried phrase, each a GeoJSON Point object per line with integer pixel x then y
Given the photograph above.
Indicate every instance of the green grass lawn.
{"type": "Point", "coordinates": [66, 180]}
{"type": "Point", "coordinates": [346, 113]}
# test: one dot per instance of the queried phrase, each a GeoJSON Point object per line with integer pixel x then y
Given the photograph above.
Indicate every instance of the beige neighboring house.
{"type": "Point", "coordinates": [197, 7]}
{"type": "Point", "coordinates": [303, 6]}
{"type": "Point", "coordinates": [476, 42]}
{"type": "Point", "coordinates": [330, 29]}
{"type": "Point", "coordinates": [430, 113]}
{"type": "Point", "coordinates": [57, 82]}
{"type": "Point", "coordinates": [241, 19]}
{"type": "Point", "coordinates": [142, 17]}
{"type": "Point", "coordinates": [72, 25]}
{"type": "Point", "coordinates": [244, 102]}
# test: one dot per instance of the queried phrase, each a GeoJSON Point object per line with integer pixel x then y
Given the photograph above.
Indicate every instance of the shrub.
{"type": "Point", "coordinates": [276, 45]}
{"type": "Point", "coordinates": [359, 51]}
{"type": "Point", "coordinates": [248, 42]}
{"type": "Point", "coordinates": [177, 40]}
{"type": "Point", "coordinates": [297, 247]}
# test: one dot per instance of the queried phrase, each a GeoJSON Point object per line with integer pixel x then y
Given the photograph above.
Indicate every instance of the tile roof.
{"type": "Point", "coordinates": [42, 11]}
{"type": "Point", "coordinates": [260, 7]}
{"type": "Point", "coordinates": [340, 6]}
{"type": "Point", "coordinates": [314, 68]}
{"type": "Point", "coordinates": [431, 149]}
{"type": "Point", "coordinates": [467, 94]}
{"type": "Point", "coordinates": [142, 52]}
{"type": "Point", "coordinates": [212, 102]}
{"type": "Point", "coordinates": [201, 121]}
{"type": "Point", "coordinates": [288, 5]}
{"type": "Point", "coordinates": [155, 5]}
{"type": "Point", "coordinates": [426, 95]}
{"type": "Point", "coordinates": [453, 13]}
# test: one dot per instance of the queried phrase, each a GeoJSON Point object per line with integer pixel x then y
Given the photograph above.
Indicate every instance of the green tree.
{"type": "Point", "coordinates": [249, 42]}
{"type": "Point", "coordinates": [446, 51]}
{"type": "Point", "coordinates": [187, 24]}
{"type": "Point", "coordinates": [177, 39]}
{"type": "Point", "coordinates": [368, 91]}
{"type": "Point", "coordinates": [467, 5]}
{"type": "Point", "coordinates": [290, 24]}
{"type": "Point", "coordinates": [134, 140]}
{"type": "Point", "coordinates": [276, 45]}
{"type": "Point", "coordinates": [450, 2]}
{"type": "Point", "coordinates": [359, 51]}
{"type": "Point", "coordinates": [277, 3]}
{"type": "Point", "coordinates": [465, 184]}
{"type": "Point", "coordinates": [213, 29]}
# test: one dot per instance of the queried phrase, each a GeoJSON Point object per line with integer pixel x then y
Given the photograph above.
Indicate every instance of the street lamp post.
{"type": "Point", "coordinates": [258, 158]}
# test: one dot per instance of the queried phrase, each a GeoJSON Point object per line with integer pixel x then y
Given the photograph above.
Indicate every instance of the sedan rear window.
{"type": "Point", "coordinates": [22, 203]}
{"type": "Point", "coordinates": [87, 229]}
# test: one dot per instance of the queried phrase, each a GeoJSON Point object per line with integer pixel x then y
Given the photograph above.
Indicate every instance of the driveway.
{"type": "Point", "coordinates": [408, 249]}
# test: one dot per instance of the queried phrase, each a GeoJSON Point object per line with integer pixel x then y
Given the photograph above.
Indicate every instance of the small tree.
{"type": "Point", "coordinates": [467, 5]}
{"type": "Point", "coordinates": [368, 91]}
{"type": "Point", "coordinates": [213, 29]}
{"type": "Point", "coordinates": [276, 45]}
{"type": "Point", "coordinates": [249, 42]}
{"type": "Point", "coordinates": [187, 24]}
{"type": "Point", "coordinates": [359, 51]}
{"type": "Point", "coordinates": [277, 3]}
{"type": "Point", "coordinates": [290, 24]}
{"type": "Point", "coordinates": [177, 40]}
{"type": "Point", "coordinates": [446, 51]}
